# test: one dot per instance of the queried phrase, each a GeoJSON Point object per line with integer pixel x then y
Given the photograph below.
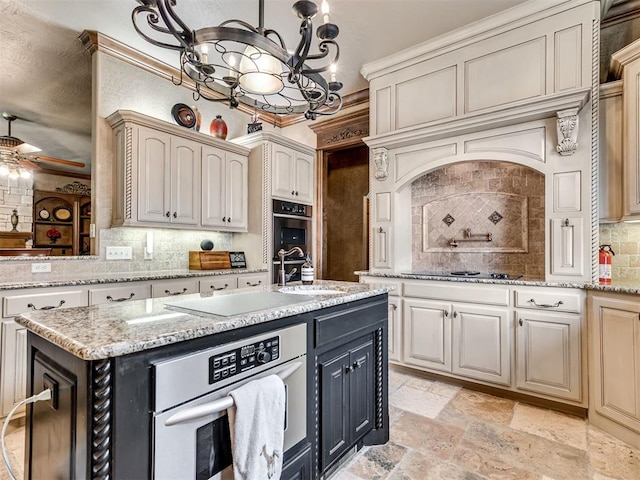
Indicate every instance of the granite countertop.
{"type": "Point", "coordinates": [111, 330]}
{"type": "Point", "coordinates": [93, 279]}
{"type": "Point", "coordinates": [617, 286]}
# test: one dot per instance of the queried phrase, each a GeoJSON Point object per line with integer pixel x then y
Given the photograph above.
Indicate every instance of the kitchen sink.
{"type": "Point", "coordinates": [310, 290]}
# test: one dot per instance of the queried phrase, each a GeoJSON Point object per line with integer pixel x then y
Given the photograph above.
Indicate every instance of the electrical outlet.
{"type": "Point", "coordinates": [40, 267]}
{"type": "Point", "coordinates": [119, 253]}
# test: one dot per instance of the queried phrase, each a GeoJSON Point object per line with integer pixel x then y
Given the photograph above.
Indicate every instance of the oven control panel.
{"type": "Point", "coordinates": [232, 362]}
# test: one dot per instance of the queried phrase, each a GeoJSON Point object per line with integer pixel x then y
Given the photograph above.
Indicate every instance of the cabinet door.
{"type": "Point", "coordinates": [13, 381]}
{"type": "Point", "coordinates": [481, 346]}
{"type": "Point", "coordinates": [381, 236]}
{"type": "Point", "coordinates": [154, 176]}
{"type": "Point", "coordinates": [362, 390]}
{"type": "Point", "coordinates": [615, 378]}
{"type": "Point", "coordinates": [303, 187]}
{"type": "Point", "coordinates": [213, 187]}
{"type": "Point", "coordinates": [334, 407]}
{"type": "Point", "coordinates": [427, 334]}
{"type": "Point", "coordinates": [395, 329]}
{"type": "Point", "coordinates": [567, 241]}
{"type": "Point", "coordinates": [548, 356]}
{"type": "Point", "coordinates": [283, 173]}
{"type": "Point", "coordinates": [237, 194]}
{"type": "Point", "coordinates": [185, 181]}
{"type": "Point", "coordinates": [631, 148]}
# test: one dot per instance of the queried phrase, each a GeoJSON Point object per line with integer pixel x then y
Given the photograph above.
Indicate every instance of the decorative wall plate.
{"type": "Point", "coordinates": [62, 213]}
{"type": "Point", "coordinates": [184, 115]}
{"type": "Point", "coordinates": [44, 214]}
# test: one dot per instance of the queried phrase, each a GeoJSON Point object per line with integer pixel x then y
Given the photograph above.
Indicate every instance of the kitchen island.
{"type": "Point", "coordinates": [102, 365]}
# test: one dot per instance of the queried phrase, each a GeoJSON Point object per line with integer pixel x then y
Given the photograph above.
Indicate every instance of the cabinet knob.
{"type": "Point", "coordinates": [167, 214]}
{"type": "Point", "coordinates": [296, 193]}
{"type": "Point", "coordinates": [347, 369]}
{"type": "Point", "coordinates": [357, 364]}
{"type": "Point", "coordinates": [455, 314]}
{"type": "Point", "coordinates": [229, 220]}
{"type": "Point", "coordinates": [446, 313]}
{"type": "Point", "coordinates": [224, 219]}
{"type": "Point", "coordinates": [393, 306]}
{"type": "Point", "coordinates": [293, 192]}
{"type": "Point", "coordinates": [175, 215]}
{"type": "Point", "coordinates": [520, 322]}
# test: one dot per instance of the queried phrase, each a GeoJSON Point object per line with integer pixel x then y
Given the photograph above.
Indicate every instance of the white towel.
{"type": "Point", "coordinates": [256, 424]}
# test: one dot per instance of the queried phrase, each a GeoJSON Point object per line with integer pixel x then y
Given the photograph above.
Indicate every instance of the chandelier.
{"type": "Point", "coordinates": [251, 64]}
{"type": "Point", "coordinates": [13, 162]}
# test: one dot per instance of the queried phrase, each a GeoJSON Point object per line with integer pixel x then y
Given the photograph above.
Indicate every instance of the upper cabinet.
{"type": "Point", "coordinates": [292, 175]}
{"type": "Point", "coordinates": [290, 165]}
{"type": "Point", "coordinates": [626, 65]}
{"type": "Point", "coordinates": [166, 175]}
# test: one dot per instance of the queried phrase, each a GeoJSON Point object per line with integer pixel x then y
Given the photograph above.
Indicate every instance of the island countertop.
{"type": "Point", "coordinates": [110, 330]}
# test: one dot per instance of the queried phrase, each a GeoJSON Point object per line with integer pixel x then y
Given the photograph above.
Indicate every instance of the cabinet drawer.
{"type": "Point", "coordinates": [119, 294]}
{"type": "Point", "coordinates": [332, 327]}
{"type": "Point", "coordinates": [252, 280]}
{"type": "Point", "coordinates": [222, 282]}
{"type": "Point", "coordinates": [549, 299]}
{"type": "Point", "coordinates": [169, 288]}
{"type": "Point", "coordinates": [16, 304]}
{"type": "Point", "coordinates": [485, 294]}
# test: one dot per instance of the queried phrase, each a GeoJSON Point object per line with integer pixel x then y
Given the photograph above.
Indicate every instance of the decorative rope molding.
{"type": "Point", "coordinates": [595, 122]}
{"type": "Point", "coordinates": [381, 161]}
{"type": "Point", "coordinates": [101, 420]}
{"type": "Point", "coordinates": [128, 172]}
{"type": "Point", "coordinates": [380, 393]}
{"type": "Point", "coordinates": [567, 127]}
{"type": "Point", "coordinates": [75, 188]}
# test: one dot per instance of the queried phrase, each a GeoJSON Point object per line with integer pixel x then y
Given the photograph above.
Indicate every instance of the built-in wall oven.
{"type": "Point", "coordinates": [291, 228]}
{"type": "Point", "coordinates": [190, 423]}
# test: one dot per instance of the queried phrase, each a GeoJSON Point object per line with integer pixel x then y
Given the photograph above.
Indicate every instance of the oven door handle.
{"type": "Point", "coordinates": [221, 404]}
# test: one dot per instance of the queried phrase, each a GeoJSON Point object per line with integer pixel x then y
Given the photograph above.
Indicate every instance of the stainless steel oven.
{"type": "Point", "coordinates": [190, 425]}
{"type": "Point", "coordinates": [291, 228]}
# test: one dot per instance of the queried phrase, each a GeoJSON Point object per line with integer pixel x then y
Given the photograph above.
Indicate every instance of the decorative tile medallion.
{"type": "Point", "coordinates": [448, 220]}
{"type": "Point", "coordinates": [495, 217]}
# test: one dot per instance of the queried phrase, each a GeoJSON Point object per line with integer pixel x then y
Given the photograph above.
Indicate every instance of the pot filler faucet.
{"type": "Point", "coordinates": [282, 275]}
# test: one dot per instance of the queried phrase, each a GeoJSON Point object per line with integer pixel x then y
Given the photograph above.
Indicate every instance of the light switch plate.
{"type": "Point", "coordinates": [119, 253]}
{"type": "Point", "coordinates": [40, 267]}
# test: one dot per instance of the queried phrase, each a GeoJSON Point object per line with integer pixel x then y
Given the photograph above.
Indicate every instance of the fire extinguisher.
{"type": "Point", "coordinates": [604, 262]}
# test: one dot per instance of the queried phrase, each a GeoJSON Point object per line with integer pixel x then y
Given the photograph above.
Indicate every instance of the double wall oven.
{"type": "Point", "coordinates": [191, 435]}
{"type": "Point", "coordinates": [291, 228]}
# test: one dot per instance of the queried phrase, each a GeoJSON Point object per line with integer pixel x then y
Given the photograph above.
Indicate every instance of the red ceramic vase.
{"type": "Point", "coordinates": [218, 128]}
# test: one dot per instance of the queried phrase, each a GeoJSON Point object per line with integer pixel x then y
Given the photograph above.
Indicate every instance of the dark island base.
{"type": "Point", "coordinates": [99, 423]}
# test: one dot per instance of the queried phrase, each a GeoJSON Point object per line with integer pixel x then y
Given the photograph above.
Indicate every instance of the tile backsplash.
{"type": "Point", "coordinates": [503, 199]}
{"type": "Point", "coordinates": [624, 239]}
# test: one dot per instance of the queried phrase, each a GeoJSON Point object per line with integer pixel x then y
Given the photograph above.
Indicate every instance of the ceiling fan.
{"type": "Point", "coordinates": [16, 156]}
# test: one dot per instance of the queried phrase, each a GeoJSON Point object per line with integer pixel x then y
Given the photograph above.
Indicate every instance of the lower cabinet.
{"type": "Point", "coordinates": [465, 339]}
{"type": "Point", "coordinates": [548, 353]}
{"type": "Point", "coordinates": [347, 398]}
{"type": "Point", "coordinates": [614, 377]}
{"type": "Point", "coordinates": [299, 467]}
{"type": "Point", "coordinates": [13, 381]}
{"type": "Point", "coordinates": [395, 329]}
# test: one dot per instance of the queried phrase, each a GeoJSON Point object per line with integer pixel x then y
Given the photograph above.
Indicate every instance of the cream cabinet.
{"type": "Point", "coordinates": [224, 189]}
{"type": "Point", "coordinates": [13, 366]}
{"type": "Point", "coordinates": [168, 182]}
{"type": "Point", "coordinates": [159, 178]}
{"type": "Point", "coordinates": [231, 281]}
{"type": "Point", "coordinates": [293, 175]}
{"type": "Point", "coordinates": [464, 339]}
{"type": "Point", "coordinates": [614, 376]}
{"type": "Point", "coordinates": [626, 66]}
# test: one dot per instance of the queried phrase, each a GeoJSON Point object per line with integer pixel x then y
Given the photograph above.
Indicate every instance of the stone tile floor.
{"type": "Point", "coordinates": [440, 431]}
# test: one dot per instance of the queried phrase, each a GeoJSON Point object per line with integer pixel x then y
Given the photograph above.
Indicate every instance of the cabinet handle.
{"type": "Point", "coordinates": [175, 215]}
{"type": "Point", "coordinates": [446, 313]}
{"type": "Point", "coordinates": [254, 284]}
{"type": "Point", "coordinates": [47, 307]}
{"type": "Point", "coordinates": [224, 219]}
{"type": "Point", "coordinates": [293, 192]}
{"type": "Point", "coordinates": [123, 299]}
{"type": "Point", "coordinates": [347, 369]}
{"type": "Point", "coordinates": [393, 306]}
{"type": "Point", "coordinates": [167, 214]}
{"type": "Point", "coordinates": [213, 287]}
{"type": "Point", "coordinates": [357, 364]}
{"type": "Point", "coordinates": [296, 193]}
{"type": "Point", "coordinates": [229, 220]}
{"type": "Point", "coordinates": [455, 314]}
{"type": "Point", "coordinates": [546, 305]}
{"type": "Point", "coordinates": [168, 292]}
{"type": "Point", "coordinates": [520, 322]}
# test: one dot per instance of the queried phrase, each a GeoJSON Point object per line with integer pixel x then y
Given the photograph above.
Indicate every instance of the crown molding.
{"type": "Point", "coordinates": [94, 41]}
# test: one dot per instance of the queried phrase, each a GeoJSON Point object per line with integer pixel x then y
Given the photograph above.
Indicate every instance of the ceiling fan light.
{"type": "Point", "coordinates": [14, 175]}
{"type": "Point", "coordinates": [25, 173]}
{"type": "Point", "coordinates": [260, 73]}
{"type": "Point", "coordinates": [4, 170]}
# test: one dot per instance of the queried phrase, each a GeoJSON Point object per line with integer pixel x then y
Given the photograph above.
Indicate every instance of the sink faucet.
{"type": "Point", "coordinates": [282, 274]}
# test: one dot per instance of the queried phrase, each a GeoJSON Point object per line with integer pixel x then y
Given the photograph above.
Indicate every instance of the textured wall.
{"type": "Point", "coordinates": [459, 191]}
{"type": "Point", "coordinates": [16, 194]}
{"type": "Point", "coordinates": [624, 239]}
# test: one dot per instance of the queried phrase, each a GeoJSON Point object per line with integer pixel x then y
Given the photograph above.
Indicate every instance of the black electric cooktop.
{"type": "Point", "coordinates": [468, 274]}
